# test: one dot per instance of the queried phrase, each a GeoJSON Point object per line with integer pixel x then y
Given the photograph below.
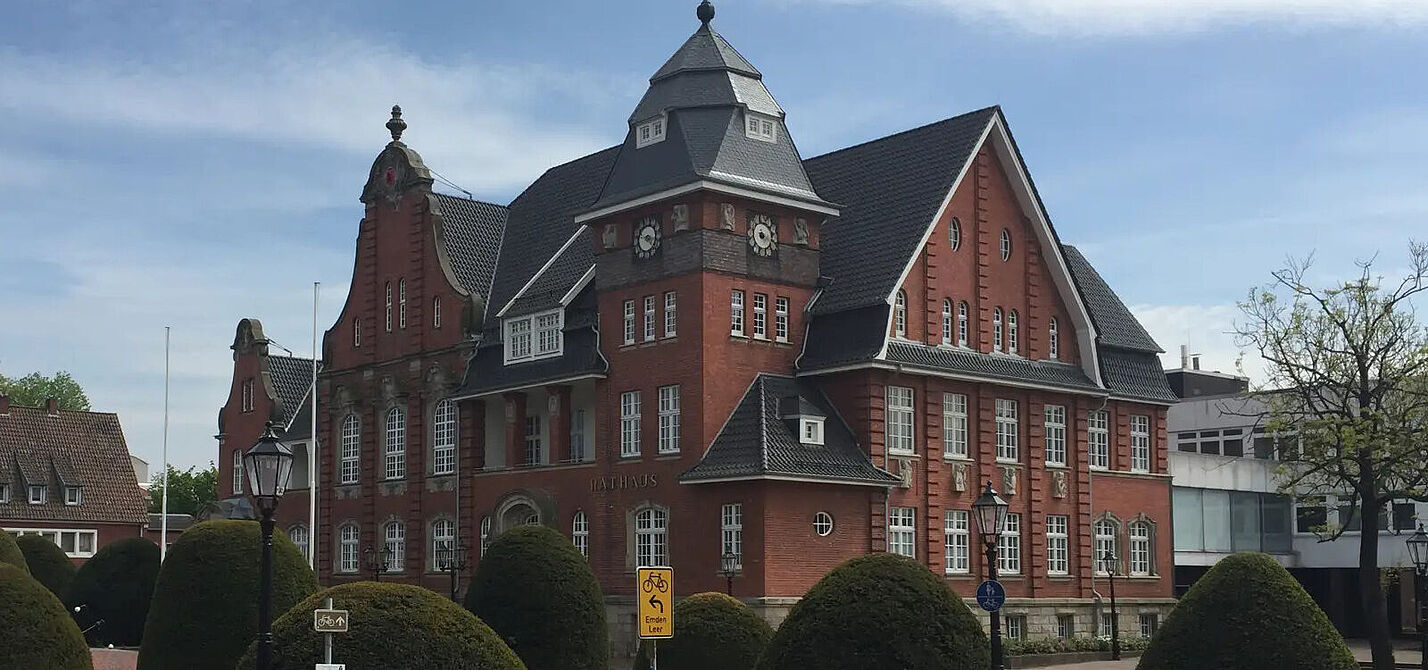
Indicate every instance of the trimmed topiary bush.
{"type": "Point", "coordinates": [711, 632]}
{"type": "Point", "coordinates": [538, 593]}
{"type": "Point", "coordinates": [116, 586]}
{"type": "Point", "coordinates": [1247, 613]}
{"type": "Point", "coordinates": [205, 607]}
{"type": "Point", "coordinates": [35, 631]}
{"type": "Point", "coordinates": [48, 563]}
{"type": "Point", "coordinates": [392, 627]}
{"type": "Point", "coordinates": [879, 611]}
{"type": "Point", "coordinates": [10, 552]}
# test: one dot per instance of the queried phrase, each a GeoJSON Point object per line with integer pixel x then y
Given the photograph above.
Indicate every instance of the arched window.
{"type": "Point", "coordinates": [436, 312]}
{"type": "Point", "coordinates": [1011, 332]}
{"type": "Point", "coordinates": [443, 541]}
{"type": "Point", "coordinates": [347, 538]}
{"type": "Point", "coordinates": [298, 534]}
{"type": "Point", "coordinates": [997, 329]}
{"type": "Point", "coordinates": [954, 234]}
{"type": "Point", "coordinates": [402, 304]}
{"type": "Point", "coordinates": [443, 442]}
{"type": "Point", "coordinates": [1141, 534]}
{"type": "Point", "coordinates": [947, 321]}
{"type": "Point", "coordinates": [962, 323]}
{"type": "Point", "coordinates": [1053, 340]}
{"type": "Point", "coordinates": [394, 536]}
{"type": "Point", "coordinates": [652, 536]}
{"type": "Point", "coordinates": [580, 533]}
{"type": "Point", "coordinates": [389, 307]}
{"type": "Point", "coordinates": [900, 315]}
{"type": "Point", "coordinates": [356, 332]}
{"type": "Point", "coordinates": [1107, 532]}
{"type": "Point", "coordinates": [485, 533]}
{"type": "Point", "coordinates": [351, 449]}
{"type": "Point", "coordinates": [1006, 244]}
{"type": "Point", "coordinates": [396, 443]}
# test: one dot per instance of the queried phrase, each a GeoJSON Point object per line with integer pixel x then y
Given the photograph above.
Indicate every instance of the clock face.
{"type": "Point", "coordinates": [763, 234]}
{"type": "Point", "coordinates": [647, 236]}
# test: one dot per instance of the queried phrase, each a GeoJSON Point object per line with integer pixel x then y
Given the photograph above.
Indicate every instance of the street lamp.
{"type": "Point", "coordinates": [729, 567]}
{"type": "Point", "coordinates": [991, 513]}
{"type": "Point", "coordinates": [1109, 563]}
{"type": "Point", "coordinates": [376, 560]}
{"type": "Point", "coordinates": [454, 559]}
{"type": "Point", "coordinates": [269, 464]}
{"type": "Point", "coordinates": [1418, 552]}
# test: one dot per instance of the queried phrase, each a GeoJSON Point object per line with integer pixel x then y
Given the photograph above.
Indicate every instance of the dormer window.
{"type": "Point", "coordinates": [811, 430]}
{"type": "Point", "coordinates": [649, 132]}
{"type": "Point", "coordinates": [72, 495]}
{"type": "Point", "coordinates": [534, 336]}
{"type": "Point", "coordinates": [760, 127]}
{"type": "Point", "coordinates": [37, 494]}
{"type": "Point", "coordinates": [4, 492]}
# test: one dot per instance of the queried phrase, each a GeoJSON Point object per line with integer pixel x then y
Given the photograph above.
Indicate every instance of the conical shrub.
{"type": "Point", "coordinates": [48, 563]}
{"type": "Point", "coordinates": [35, 631]}
{"type": "Point", "coordinates": [115, 587]}
{"type": "Point", "coordinates": [10, 552]}
{"type": "Point", "coordinates": [712, 631]}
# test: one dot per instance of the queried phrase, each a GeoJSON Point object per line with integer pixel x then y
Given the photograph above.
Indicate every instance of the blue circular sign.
{"type": "Point", "coordinates": [991, 596]}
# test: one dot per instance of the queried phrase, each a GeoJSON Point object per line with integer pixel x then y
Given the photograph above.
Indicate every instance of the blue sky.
{"type": "Point", "coordinates": [188, 164]}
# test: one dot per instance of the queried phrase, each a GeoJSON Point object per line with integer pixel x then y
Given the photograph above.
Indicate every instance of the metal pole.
{"type": "Point", "coordinates": [328, 653]}
{"type": "Point", "coordinates": [164, 512]}
{"type": "Point", "coordinates": [1115, 621]}
{"type": "Point", "coordinates": [312, 533]}
{"type": "Point", "coordinates": [265, 597]}
{"type": "Point", "coordinates": [1419, 578]}
{"type": "Point", "coordinates": [654, 654]}
{"type": "Point", "coordinates": [996, 614]}
{"type": "Point", "coordinates": [729, 589]}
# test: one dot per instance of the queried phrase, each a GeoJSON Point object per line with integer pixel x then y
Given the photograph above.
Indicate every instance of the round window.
{"type": "Point", "coordinates": [823, 524]}
{"type": "Point", "coordinates": [954, 233]}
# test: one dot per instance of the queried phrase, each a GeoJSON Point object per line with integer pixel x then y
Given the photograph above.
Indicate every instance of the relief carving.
{"type": "Point", "coordinates": [510, 411]}
{"type": "Point", "coordinates": [552, 405]}
{"type": "Point", "coordinates": [726, 216]}
{"type": "Point", "coordinates": [389, 388]}
{"type": "Point", "coordinates": [959, 477]}
{"type": "Point", "coordinates": [610, 237]}
{"type": "Point", "coordinates": [1058, 483]}
{"type": "Point", "coordinates": [681, 217]}
{"type": "Point", "coordinates": [800, 231]}
{"type": "Point", "coordinates": [1009, 480]}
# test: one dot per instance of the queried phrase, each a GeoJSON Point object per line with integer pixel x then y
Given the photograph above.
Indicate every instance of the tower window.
{"type": "Point", "coordinates": [760, 127]}
{"type": "Point", "coordinates": [649, 132]}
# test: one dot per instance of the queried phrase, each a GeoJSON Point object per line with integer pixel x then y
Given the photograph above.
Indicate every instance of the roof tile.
{"type": "Point", "coordinates": [87, 447]}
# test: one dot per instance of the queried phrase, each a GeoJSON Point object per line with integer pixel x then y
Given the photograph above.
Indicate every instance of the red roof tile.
{"type": "Point", "coordinates": [70, 447]}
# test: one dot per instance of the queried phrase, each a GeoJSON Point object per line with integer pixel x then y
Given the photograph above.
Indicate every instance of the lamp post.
{"type": "Point", "coordinates": [729, 567]}
{"type": "Point", "coordinates": [1418, 552]}
{"type": "Point", "coordinates": [453, 560]}
{"type": "Point", "coordinates": [376, 560]}
{"type": "Point", "coordinates": [991, 513]}
{"type": "Point", "coordinates": [1109, 563]}
{"type": "Point", "coordinates": [269, 464]}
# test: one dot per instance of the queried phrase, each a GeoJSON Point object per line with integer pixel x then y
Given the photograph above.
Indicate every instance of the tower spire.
{"type": "Point", "coordinates": [396, 124]}
{"type": "Point", "coordinates": [705, 12]}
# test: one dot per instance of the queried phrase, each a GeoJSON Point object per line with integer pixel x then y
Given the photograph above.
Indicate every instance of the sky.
{"type": "Point", "coordinates": [188, 164]}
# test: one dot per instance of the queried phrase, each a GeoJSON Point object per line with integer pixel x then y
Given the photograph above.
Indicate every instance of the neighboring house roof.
{"type": "Point", "coordinates": [472, 233]}
{"type": "Point", "coordinates": [758, 443]}
{"type": "Point", "coordinates": [291, 377]}
{"type": "Point", "coordinates": [85, 449]}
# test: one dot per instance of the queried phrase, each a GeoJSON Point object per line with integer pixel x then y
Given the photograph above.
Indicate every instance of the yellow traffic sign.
{"type": "Point", "coordinates": [654, 590]}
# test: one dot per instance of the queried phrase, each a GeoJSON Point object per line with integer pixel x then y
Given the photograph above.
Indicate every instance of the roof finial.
{"type": "Point", "coordinates": [705, 12]}
{"type": "Point", "coordinates": [396, 125]}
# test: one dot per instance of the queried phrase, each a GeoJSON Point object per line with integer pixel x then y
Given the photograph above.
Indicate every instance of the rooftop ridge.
{"type": "Point", "coordinates": [909, 131]}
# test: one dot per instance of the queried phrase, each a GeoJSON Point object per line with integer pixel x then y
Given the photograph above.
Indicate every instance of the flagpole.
{"type": "Point", "coordinates": [164, 527]}
{"type": "Point", "coordinates": [312, 446]}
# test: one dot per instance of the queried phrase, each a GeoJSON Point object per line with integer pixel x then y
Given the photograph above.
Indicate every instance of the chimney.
{"type": "Point", "coordinates": [1195, 361]}
{"type": "Point", "coordinates": [1184, 357]}
{"type": "Point", "coordinates": [51, 406]}
{"type": "Point", "coordinates": [4, 404]}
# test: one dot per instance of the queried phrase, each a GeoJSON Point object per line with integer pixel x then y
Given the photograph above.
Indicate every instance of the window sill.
{"type": "Point", "coordinates": [956, 459]}
{"type": "Point", "coordinates": [1008, 461]}
{"type": "Point", "coordinates": [902, 454]}
{"type": "Point", "coordinates": [667, 456]}
{"type": "Point", "coordinates": [1058, 578]}
{"type": "Point", "coordinates": [1143, 578]}
{"type": "Point", "coordinates": [958, 575]}
{"type": "Point", "coordinates": [1057, 466]}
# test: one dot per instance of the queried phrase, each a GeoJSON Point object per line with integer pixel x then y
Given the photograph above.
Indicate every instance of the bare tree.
{"type": "Point", "coordinates": [1347, 388]}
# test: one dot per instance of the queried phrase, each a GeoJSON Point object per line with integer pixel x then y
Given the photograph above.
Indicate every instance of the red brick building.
{"type": "Point", "coordinates": [696, 343]}
{"type": "Point", "coordinates": [66, 474]}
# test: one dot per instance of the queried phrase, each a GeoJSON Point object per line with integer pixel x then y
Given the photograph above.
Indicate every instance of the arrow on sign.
{"type": "Point", "coordinates": [654, 602]}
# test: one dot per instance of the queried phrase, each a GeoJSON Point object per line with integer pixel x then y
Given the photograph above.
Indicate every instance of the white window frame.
{"type": "Point", "coordinates": [900, 314]}
{"type": "Point", "coordinates": [760, 127]}
{"type": "Point", "coordinates": [1055, 430]}
{"type": "Point", "coordinates": [580, 533]}
{"type": "Point", "coordinates": [956, 536]}
{"type": "Point", "coordinates": [902, 531]}
{"type": "Point", "coordinates": [629, 424]}
{"type": "Point", "coordinates": [75, 499]}
{"type": "Point", "coordinates": [58, 536]}
{"type": "Point", "coordinates": [1149, 623]}
{"type": "Point", "coordinates": [947, 321]}
{"type": "Point", "coordinates": [534, 440]}
{"type": "Point", "coordinates": [349, 537]}
{"type": "Point", "coordinates": [1058, 557]}
{"type": "Point", "coordinates": [669, 419]}
{"type": "Point", "coordinates": [246, 395]}
{"type": "Point", "coordinates": [649, 321]}
{"type": "Point", "coordinates": [651, 131]}
{"type": "Point", "coordinates": [629, 322]}
{"type": "Point", "coordinates": [1065, 626]}
{"type": "Point", "coordinates": [402, 304]}
{"type": "Point", "coordinates": [731, 532]}
{"type": "Point", "coordinates": [1012, 332]}
{"type": "Point", "coordinates": [1140, 451]}
{"type": "Point", "coordinates": [1139, 536]}
{"type": "Point", "coordinates": [962, 334]}
{"type": "Point", "coordinates": [1016, 626]}
{"type": "Point", "coordinates": [954, 426]}
{"type": "Point", "coordinates": [822, 524]}
{"type": "Point", "coordinates": [1053, 340]}
{"type": "Point", "coordinates": [1009, 546]}
{"type": "Point", "coordinates": [760, 322]}
{"type": "Point", "coordinates": [350, 469]}
{"type": "Point", "coordinates": [298, 533]}
{"type": "Point", "coordinates": [1008, 431]}
{"type": "Point", "coordinates": [736, 313]}
{"type": "Point", "coordinates": [578, 452]}
{"type": "Point", "coordinates": [810, 430]}
{"type": "Point", "coordinates": [485, 534]}
{"type": "Point", "coordinates": [997, 329]}
{"type": "Point", "coordinates": [4, 492]}
{"type": "Point", "coordinates": [443, 442]}
{"type": "Point", "coordinates": [1098, 439]}
{"type": "Point", "coordinates": [436, 312]}
{"type": "Point", "coordinates": [1006, 244]}
{"type": "Point", "coordinates": [652, 536]}
{"type": "Point", "coordinates": [671, 314]}
{"type": "Point", "coordinates": [39, 494]}
{"type": "Point", "coordinates": [1105, 535]}
{"type": "Point", "coordinates": [535, 336]}
{"type": "Point", "coordinates": [395, 462]}
{"type": "Point", "coordinates": [954, 234]}
{"type": "Point", "coordinates": [394, 541]}
{"type": "Point", "coordinates": [781, 319]}
{"type": "Point", "coordinates": [443, 538]}
{"type": "Point", "coordinates": [237, 473]}
{"type": "Point", "coordinates": [389, 306]}
{"type": "Point", "coordinates": [900, 413]}
{"type": "Point", "coordinates": [356, 333]}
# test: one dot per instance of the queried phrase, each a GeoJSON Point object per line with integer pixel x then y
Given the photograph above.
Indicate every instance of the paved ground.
{"type": "Point", "coordinates": [1405, 651]}
{"type": "Point", "coordinates": [114, 659]}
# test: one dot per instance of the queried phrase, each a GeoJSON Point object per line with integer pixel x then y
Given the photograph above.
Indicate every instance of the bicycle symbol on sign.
{"type": "Point", "coordinates": [327, 621]}
{"type": "Point", "coordinates": [655, 582]}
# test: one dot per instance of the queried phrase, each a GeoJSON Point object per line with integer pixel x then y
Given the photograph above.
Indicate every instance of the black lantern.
{"type": "Point", "coordinates": [991, 513]}
{"type": "Point", "coordinates": [1110, 563]}
{"type": "Point", "coordinates": [728, 569]}
{"type": "Point", "coordinates": [1418, 550]}
{"type": "Point", "coordinates": [1418, 553]}
{"type": "Point", "coordinates": [269, 464]}
{"type": "Point", "coordinates": [453, 559]}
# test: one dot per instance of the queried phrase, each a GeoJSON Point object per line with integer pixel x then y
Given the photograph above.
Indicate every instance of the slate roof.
{"type": "Point", "coordinates": [291, 377]}
{"type": "Point", "coordinates": [1135, 374]}
{"type": "Point", "coordinates": [1114, 322]}
{"type": "Point", "coordinates": [844, 337]}
{"type": "Point", "coordinates": [757, 443]}
{"type": "Point", "coordinates": [706, 50]}
{"type": "Point", "coordinates": [87, 448]}
{"type": "Point", "coordinates": [472, 232]}
{"type": "Point", "coordinates": [299, 425]}
{"type": "Point", "coordinates": [487, 372]}
{"type": "Point", "coordinates": [991, 366]}
{"type": "Point", "coordinates": [555, 281]}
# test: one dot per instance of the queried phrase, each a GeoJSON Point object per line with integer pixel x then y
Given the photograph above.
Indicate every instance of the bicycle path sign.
{"type": "Point", "coordinates": [654, 591]}
{"type": "Point", "coordinates": [991, 596]}
{"type": "Point", "coordinates": [329, 621]}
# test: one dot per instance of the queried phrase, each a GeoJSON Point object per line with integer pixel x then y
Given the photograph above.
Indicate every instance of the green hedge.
{"type": "Point", "coordinates": [1045, 645]}
{"type": "Point", "coordinates": [391, 627]}
{"type": "Point", "coordinates": [10, 552]}
{"type": "Point", "coordinates": [35, 631]}
{"type": "Point", "coordinates": [205, 607]}
{"type": "Point", "coordinates": [1247, 613]}
{"type": "Point", "coordinates": [116, 585]}
{"type": "Point", "coordinates": [48, 563]}
{"type": "Point", "coordinates": [711, 632]}
{"type": "Point", "coordinates": [879, 611]}
{"type": "Point", "coordinates": [538, 593]}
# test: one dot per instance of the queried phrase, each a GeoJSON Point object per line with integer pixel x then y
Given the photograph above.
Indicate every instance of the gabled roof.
{"type": "Point", "coordinates": [472, 233]}
{"type": "Point", "coordinates": [291, 377]}
{"type": "Point", "coordinates": [547, 288]}
{"type": "Point", "coordinates": [68, 448]}
{"type": "Point", "coordinates": [757, 443]}
{"type": "Point", "coordinates": [580, 357]}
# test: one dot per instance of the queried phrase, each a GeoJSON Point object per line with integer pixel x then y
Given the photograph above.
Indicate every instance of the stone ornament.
{"type": "Point", "coordinates": [552, 405]}
{"type": "Point", "coordinates": [681, 217]}
{"type": "Point", "coordinates": [800, 231]}
{"type": "Point", "coordinates": [959, 477]}
{"type": "Point", "coordinates": [510, 411]}
{"type": "Point", "coordinates": [726, 216]}
{"type": "Point", "coordinates": [1058, 483]}
{"type": "Point", "coordinates": [1008, 480]}
{"type": "Point", "coordinates": [610, 237]}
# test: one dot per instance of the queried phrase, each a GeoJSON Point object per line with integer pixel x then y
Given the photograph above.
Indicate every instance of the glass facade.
{"type": "Point", "coordinates": [1225, 521]}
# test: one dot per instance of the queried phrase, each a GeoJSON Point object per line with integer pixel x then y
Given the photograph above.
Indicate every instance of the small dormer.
{"type": "Point", "coordinates": [804, 419]}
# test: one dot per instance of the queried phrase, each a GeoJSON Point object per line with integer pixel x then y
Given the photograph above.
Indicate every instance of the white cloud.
{"type": "Point", "coordinates": [1208, 330]}
{"type": "Point", "coordinates": [1139, 17]}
